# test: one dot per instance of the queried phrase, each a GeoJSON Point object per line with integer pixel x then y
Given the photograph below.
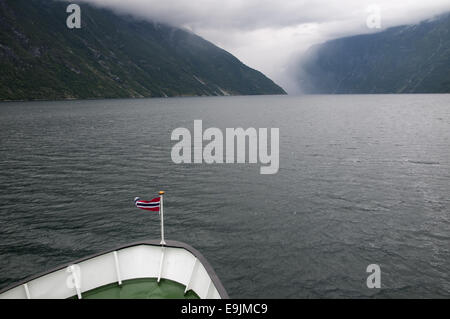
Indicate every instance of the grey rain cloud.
{"type": "Point", "coordinates": [269, 35]}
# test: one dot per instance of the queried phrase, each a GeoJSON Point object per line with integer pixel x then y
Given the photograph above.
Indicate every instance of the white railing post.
{"type": "Point", "coordinates": [209, 288]}
{"type": "Point", "coordinates": [27, 291]}
{"type": "Point", "coordinates": [190, 276]}
{"type": "Point", "coordinates": [75, 280]}
{"type": "Point", "coordinates": [116, 261]}
{"type": "Point", "coordinates": [161, 264]}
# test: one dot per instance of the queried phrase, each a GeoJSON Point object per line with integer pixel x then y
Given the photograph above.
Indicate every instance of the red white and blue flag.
{"type": "Point", "coordinates": [152, 205]}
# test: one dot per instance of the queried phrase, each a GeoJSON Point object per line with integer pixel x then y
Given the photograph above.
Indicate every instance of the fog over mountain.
{"type": "Point", "coordinates": [404, 59]}
{"type": "Point", "coordinates": [271, 35]}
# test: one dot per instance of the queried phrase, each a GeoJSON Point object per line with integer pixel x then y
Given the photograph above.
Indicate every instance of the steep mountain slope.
{"type": "Point", "coordinates": [406, 59]}
{"type": "Point", "coordinates": [110, 56]}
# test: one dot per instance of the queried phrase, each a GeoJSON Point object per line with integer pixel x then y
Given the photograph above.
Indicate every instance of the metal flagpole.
{"type": "Point", "coordinates": [161, 196]}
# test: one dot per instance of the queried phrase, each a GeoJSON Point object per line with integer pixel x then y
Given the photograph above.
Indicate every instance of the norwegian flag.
{"type": "Point", "coordinates": [152, 205]}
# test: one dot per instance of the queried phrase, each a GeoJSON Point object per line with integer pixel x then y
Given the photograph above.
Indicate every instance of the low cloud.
{"type": "Point", "coordinates": [269, 35]}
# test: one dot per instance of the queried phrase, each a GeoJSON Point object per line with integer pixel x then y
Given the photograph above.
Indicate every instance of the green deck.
{"type": "Point", "coordinates": [144, 288]}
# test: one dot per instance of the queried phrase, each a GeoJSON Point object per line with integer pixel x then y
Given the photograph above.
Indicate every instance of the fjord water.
{"type": "Point", "coordinates": [363, 179]}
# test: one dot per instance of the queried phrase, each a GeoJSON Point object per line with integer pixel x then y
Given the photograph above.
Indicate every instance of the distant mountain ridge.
{"type": "Point", "coordinates": [111, 56]}
{"type": "Point", "coordinates": [405, 59]}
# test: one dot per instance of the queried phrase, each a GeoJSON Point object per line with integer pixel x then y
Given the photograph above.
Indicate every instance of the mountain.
{"type": "Point", "coordinates": [111, 56]}
{"type": "Point", "coordinates": [405, 59]}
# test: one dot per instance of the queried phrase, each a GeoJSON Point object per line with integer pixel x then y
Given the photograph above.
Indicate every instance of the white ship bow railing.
{"type": "Point", "coordinates": [175, 261]}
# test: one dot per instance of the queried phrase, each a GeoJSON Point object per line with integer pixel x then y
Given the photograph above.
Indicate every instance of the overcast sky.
{"type": "Point", "coordinates": [269, 35]}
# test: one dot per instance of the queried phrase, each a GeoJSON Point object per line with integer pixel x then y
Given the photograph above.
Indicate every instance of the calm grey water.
{"type": "Point", "coordinates": [363, 179]}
